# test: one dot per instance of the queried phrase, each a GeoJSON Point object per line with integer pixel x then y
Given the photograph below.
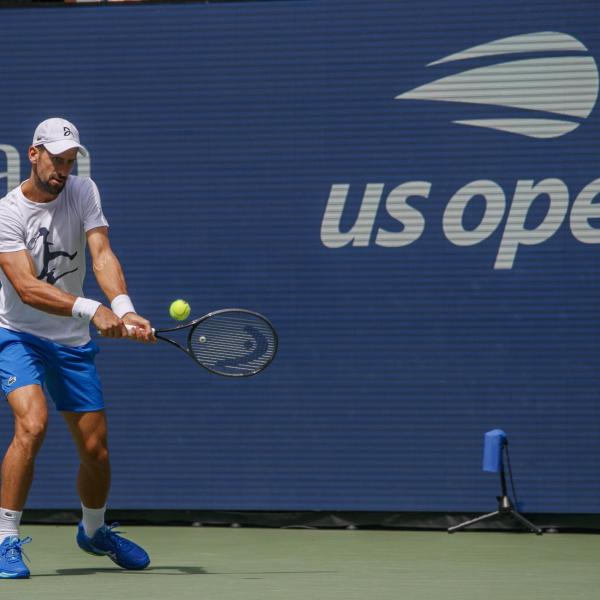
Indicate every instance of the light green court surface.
{"type": "Point", "coordinates": [274, 564]}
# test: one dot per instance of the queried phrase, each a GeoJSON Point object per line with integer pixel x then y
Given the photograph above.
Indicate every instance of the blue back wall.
{"type": "Point", "coordinates": [235, 146]}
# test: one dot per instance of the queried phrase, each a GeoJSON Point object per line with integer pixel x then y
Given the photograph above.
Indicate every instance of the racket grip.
{"type": "Point", "coordinates": [131, 329]}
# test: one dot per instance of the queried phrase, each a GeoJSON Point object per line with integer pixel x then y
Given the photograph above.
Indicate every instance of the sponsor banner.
{"type": "Point", "coordinates": [410, 191]}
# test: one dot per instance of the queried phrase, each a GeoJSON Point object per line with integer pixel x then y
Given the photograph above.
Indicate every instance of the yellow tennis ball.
{"type": "Point", "coordinates": [179, 310]}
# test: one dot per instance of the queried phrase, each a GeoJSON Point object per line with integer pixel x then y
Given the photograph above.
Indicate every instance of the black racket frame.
{"type": "Point", "coordinates": [192, 327]}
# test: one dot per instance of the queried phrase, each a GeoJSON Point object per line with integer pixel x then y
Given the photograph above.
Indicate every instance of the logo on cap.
{"type": "Point", "coordinates": [67, 131]}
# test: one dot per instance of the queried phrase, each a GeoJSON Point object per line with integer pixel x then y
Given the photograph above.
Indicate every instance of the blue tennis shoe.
{"type": "Point", "coordinates": [11, 561]}
{"type": "Point", "coordinates": [107, 542]}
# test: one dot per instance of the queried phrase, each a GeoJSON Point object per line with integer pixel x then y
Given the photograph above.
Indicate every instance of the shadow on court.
{"type": "Point", "coordinates": [156, 570]}
{"type": "Point", "coordinates": [171, 570]}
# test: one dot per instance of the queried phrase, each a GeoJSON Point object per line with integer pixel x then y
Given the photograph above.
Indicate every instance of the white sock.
{"type": "Point", "coordinates": [9, 523]}
{"type": "Point", "coordinates": [92, 519]}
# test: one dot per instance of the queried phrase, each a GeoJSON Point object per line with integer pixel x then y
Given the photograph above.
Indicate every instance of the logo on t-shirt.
{"type": "Point", "coordinates": [12, 379]}
{"type": "Point", "coordinates": [49, 274]}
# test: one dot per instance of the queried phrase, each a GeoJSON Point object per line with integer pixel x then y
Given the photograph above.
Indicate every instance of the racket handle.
{"type": "Point", "coordinates": [131, 329]}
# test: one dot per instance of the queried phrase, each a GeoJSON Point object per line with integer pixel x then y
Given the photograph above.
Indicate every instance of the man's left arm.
{"type": "Point", "coordinates": [110, 278]}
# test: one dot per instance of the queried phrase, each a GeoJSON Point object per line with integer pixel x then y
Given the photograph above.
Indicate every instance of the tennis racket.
{"type": "Point", "coordinates": [233, 342]}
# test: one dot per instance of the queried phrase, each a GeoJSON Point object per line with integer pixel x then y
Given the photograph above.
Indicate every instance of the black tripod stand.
{"type": "Point", "coordinates": [505, 506]}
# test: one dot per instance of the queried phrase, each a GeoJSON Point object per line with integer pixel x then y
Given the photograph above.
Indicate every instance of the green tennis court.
{"type": "Point", "coordinates": [217, 563]}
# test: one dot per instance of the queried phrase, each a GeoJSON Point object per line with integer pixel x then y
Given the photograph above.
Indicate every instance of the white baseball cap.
{"type": "Point", "coordinates": [57, 135]}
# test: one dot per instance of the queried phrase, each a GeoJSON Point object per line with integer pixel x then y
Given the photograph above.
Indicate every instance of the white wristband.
{"type": "Point", "coordinates": [85, 308]}
{"type": "Point", "coordinates": [121, 305]}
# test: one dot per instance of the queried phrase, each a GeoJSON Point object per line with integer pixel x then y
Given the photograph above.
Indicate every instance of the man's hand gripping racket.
{"type": "Point", "coordinates": [233, 342]}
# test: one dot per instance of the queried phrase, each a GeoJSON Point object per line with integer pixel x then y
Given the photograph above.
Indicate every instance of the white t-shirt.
{"type": "Point", "coordinates": [54, 235]}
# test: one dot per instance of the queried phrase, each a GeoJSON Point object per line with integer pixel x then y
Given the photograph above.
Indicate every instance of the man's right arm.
{"type": "Point", "coordinates": [19, 269]}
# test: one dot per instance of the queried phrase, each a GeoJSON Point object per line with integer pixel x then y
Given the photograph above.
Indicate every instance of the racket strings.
{"type": "Point", "coordinates": [233, 343]}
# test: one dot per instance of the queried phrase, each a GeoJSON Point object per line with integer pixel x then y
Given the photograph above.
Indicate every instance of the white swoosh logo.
{"type": "Point", "coordinates": [564, 85]}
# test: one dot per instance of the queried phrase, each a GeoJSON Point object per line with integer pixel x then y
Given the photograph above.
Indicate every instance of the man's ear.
{"type": "Point", "coordinates": [33, 153]}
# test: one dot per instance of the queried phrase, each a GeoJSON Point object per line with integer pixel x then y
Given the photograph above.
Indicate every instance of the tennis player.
{"type": "Point", "coordinates": [45, 225]}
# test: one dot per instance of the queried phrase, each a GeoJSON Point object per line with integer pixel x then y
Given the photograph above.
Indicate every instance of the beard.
{"type": "Point", "coordinates": [50, 188]}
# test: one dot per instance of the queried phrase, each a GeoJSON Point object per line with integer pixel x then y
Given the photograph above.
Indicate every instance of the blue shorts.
{"type": "Point", "coordinates": [68, 373]}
